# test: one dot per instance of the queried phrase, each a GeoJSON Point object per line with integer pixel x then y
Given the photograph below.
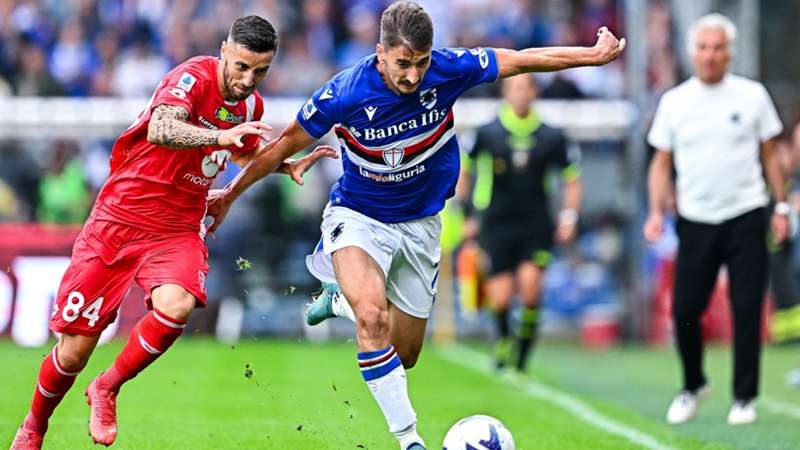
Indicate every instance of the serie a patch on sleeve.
{"type": "Point", "coordinates": [186, 82]}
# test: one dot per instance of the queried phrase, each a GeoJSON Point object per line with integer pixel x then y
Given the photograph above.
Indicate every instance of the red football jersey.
{"type": "Point", "coordinates": [161, 189]}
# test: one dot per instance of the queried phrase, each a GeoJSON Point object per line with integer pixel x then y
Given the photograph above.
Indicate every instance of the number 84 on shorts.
{"type": "Point", "coordinates": [72, 309]}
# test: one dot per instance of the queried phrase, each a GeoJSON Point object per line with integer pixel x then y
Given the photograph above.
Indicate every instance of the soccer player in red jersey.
{"type": "Point", "coordinates": [146, 224]}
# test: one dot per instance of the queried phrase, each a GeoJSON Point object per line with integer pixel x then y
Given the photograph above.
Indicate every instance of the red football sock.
{"type": "Point", "coordinates": [52, 383]}
{"type": "Point", "coordinates": [151, 337]}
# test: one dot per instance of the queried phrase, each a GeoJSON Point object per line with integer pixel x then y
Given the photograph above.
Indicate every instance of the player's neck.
{"type": "Point", "coordinates": [522, 112]}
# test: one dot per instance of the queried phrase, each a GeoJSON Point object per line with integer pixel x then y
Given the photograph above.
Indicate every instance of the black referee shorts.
{"type": "Point", "coordinates": [506, 247]}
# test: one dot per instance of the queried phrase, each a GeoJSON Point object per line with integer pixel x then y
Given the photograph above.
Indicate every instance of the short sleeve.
{"type": "Point", "coordinates": [567, 157]}
{"type": "Point", "coordinates": [179, 88]}
{"type": "Point", "coordinates": [769, 124]}
{"type": "Point", "coordinates": [476, 65]}
{"type": "Point", "coordinates": [661, 135]}
{"type": "Point", "coordinates": [321, 112]}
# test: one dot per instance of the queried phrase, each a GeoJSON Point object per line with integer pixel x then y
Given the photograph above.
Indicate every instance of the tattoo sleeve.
{"type": "Point", "coordinates": [169, 127]}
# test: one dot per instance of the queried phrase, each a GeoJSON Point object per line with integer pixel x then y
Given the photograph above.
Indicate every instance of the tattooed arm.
{"type": "Point", "coordinates": [168, 127]}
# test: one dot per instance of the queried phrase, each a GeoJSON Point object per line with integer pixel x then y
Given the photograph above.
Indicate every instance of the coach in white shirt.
{"type": "Point", "coordinates": [718, 129]}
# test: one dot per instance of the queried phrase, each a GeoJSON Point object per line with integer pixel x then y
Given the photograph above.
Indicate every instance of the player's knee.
{"type": "Point", "coordinates": [73, 358]}
{"type": "Point", "coordinates": [373, 319]}
{"type": "Point", "coordinates": [176, 303]}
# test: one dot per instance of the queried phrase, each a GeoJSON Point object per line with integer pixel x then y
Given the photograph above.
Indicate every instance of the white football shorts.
{"type": "Point", "coordinates": [408, 253]}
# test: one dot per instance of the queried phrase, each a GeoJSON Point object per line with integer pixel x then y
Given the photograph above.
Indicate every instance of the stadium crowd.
{"type": "Point", "coordinates": [121, 48]}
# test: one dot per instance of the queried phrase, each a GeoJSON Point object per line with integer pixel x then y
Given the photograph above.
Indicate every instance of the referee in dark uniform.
{"type": "Point", "coordinates": [718, 131]}
{"type": "Point", "coordinates": [511, 158]}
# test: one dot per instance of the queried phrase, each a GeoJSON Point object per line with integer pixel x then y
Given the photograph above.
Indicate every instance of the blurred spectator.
{"type": "Point", "coordinates": [33, 79]}
{"type": "Point", "coordinates": [63, 194]}
{"type": "Point", "coordinates": [106, 47]}
{"type": "Point", "coordinates": [5, 88]}
{"type": "Point", "coordinates": [140, 69]}
{"type": "Point", "coordinates": [294, 59]}
{"type": "Point", "coordinates": [9, 204]}
{"type": "Point", "coordinates": [785, 324]}
{"type": "Point", "coordinates": [319, 29]}
{"type": "Point", "coordinates": [662, 70]}
{"type": "Point", "coordinates": [20, 172]}
{"type": "Point", "coordinates": [593, 15]}
{"type": "Point", "coordinates": [177, 48]}
{"type": "Point", "coordinates": [362, 26]}
{"type": "Point", "coordinates": [72, 60]}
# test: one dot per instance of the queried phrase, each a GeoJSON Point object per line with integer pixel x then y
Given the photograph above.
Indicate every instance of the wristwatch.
{"type": "Point", "coordinates": [782, 208]}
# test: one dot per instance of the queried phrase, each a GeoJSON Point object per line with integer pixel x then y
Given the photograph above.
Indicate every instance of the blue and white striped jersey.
{"type": "Point", "coordinates": [399, 152]}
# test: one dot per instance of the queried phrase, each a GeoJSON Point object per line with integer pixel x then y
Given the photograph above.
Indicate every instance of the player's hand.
{"type": "Point", "coordinates": [780, 228]}
{"type": "Point", "coordinates": [296, 168]}
{"type": "Point", "coordinates": [608, 46]}
{"type": "Point", "coordinates": [234, 137]}
{"type": "Point", "coordinates": [218, 205]}
{"type": "Point", "coordinates": [566, 232]}
{"type": "Point", "coordinates": [653, 227]}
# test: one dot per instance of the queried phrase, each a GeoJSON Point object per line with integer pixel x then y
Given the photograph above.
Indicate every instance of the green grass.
{"type": "Point", "coordinates": [305, 396]}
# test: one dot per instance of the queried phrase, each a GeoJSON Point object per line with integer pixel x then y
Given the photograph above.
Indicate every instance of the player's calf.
{"type": "Point", "coordinates": [386, 378]}
{"type": "Point", "coordinates": [409, 354]}
{"type": "Point", "coordinates": [54, 380]}
{"type": "Point", "coordinates": [149, 339]}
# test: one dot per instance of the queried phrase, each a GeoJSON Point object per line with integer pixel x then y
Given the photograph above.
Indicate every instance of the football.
{"type": "Point", "coordinates": [478, 433]}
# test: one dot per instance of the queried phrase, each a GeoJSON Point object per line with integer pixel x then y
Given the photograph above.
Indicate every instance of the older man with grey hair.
{"type": "Point", "coordinates": [718, 129]}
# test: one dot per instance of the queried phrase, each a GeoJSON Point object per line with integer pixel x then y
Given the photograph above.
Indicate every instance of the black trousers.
{"type": "Point", "coordinates": [740, 244]}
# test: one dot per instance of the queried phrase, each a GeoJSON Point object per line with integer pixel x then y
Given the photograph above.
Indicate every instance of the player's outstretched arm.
{"type": "Point", "coordinates": [295, 168]}
{"type": "Point", "coordinates": [168, 127]}
{"type": "Point", "coordinates": [548, 59]}
{"type": "Point", "coordinates": [267, 159]}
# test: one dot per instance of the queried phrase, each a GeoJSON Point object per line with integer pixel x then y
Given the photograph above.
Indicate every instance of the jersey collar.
{"type": "Point", "coordinates": [518, 126]}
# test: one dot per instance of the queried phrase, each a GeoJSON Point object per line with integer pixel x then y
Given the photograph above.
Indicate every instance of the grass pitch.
{"type": "Point", "coordinates": [272, 394]}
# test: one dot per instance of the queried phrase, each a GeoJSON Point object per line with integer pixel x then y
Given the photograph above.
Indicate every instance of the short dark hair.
{"type": "Point", "coordinates": [407, 24]}
{"type": "Point", "coordinates": [254, 33]}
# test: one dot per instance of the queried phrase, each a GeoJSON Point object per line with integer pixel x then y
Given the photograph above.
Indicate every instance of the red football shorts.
{"type": "Point", "coordinates": [107, 256]}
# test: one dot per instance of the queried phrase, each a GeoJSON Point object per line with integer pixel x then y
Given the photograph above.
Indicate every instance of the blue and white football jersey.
{"type": "Point", "coordinates": [399, 152]}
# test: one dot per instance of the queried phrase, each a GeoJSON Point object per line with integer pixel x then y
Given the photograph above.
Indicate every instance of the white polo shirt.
{"type": "Point", "coordinates": [714, 132]}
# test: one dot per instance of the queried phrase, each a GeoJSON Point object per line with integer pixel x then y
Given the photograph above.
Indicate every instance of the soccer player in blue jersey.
{"type": "Point", "coordinates": [392, 113]}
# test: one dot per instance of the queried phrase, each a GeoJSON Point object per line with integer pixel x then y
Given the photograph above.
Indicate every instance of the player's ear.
{"type": "Point", "coordinates": [222, 49]}
{"type": "Point", "coordinates": [379, 52]}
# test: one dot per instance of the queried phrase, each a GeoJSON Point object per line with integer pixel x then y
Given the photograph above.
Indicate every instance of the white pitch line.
{"type": "Point", "coordinates": [477, 361]}
{"type": "Point", "coordinates": [778, 407]}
